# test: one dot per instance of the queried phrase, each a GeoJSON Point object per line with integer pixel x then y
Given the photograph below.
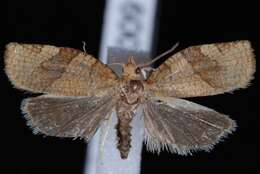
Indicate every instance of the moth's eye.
{"type": "Point", "coordinates": [137, 70]}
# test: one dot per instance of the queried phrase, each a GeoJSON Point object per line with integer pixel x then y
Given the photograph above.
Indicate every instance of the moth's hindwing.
{"type": "Point", "coordinates": [67, 116]}
{"type": "Point", "coordinates": [181, 126]}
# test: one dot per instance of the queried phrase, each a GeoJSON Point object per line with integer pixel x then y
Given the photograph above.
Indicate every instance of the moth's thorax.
{"type": "Point", "coordinates": [131, 91]}
{"type": "Point", "coordinates": [131, 70]}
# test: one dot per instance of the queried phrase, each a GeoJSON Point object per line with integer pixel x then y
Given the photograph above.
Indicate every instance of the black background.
{"type": "Point", "coordinates": [67, 23]}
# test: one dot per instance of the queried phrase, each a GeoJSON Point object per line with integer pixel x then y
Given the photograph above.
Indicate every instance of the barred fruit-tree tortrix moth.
{"type": "Point", "coordinates": [80, 92]}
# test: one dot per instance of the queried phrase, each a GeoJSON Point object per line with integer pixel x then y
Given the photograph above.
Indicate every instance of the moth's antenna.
{"type": "Point", "coordinates": [160, 56]}
{"type": "Point", "coordinates": [116, 64]}
{"type": "Point", "coordinates": [84, 46]}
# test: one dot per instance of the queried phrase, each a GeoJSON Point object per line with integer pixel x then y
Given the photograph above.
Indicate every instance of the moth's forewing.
{"type": "Point", "coordinates": [204, 70]}
{"type": "Point", "coordinates": [56, 70]}
{"type": "Point", "coordinates": [181, 126]}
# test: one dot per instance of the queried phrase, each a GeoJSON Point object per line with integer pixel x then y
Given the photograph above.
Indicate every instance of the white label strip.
{"type": "Point", "coordinates": [128, 24]}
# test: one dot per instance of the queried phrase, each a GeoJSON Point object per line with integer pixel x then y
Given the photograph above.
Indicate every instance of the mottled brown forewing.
{"type": "Point", "coordinates": [56, 70]}
{"type": "Point", "coordinates": [204, 70]}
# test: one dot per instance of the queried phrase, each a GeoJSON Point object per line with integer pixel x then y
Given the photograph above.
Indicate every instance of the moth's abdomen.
{"type": "Point", "coordinates": [131, 94]}
{"type": "Point", "coordinates": [124, 134]}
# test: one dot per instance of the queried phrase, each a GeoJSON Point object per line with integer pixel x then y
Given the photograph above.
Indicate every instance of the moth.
{"type": "Point", "coordinates": [79, 93]}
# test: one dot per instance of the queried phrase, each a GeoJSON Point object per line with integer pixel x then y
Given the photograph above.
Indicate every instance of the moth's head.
{"type": "Point", "coordinates": [131, 70]}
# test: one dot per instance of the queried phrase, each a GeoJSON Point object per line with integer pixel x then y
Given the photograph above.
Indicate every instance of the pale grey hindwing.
{"type": "Point", "coordinates": [67, 116]}
{"type": "Point", "coordinates": [182, 127]}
